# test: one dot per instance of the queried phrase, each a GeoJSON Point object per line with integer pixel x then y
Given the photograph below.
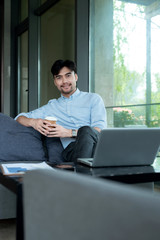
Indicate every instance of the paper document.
{"type": "Point", "coordinates": [21, 168]}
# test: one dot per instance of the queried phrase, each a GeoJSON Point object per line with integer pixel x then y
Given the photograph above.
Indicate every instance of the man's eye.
{"type": "Point", "coordinates": [69, 74]}
{"type": "Point", "coordinates": [58, 77]}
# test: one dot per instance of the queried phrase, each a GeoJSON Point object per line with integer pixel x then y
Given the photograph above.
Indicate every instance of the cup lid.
{"type": "Point", "coordinates": [51, 118]}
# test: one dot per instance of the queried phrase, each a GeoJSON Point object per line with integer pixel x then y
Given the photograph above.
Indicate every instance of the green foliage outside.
{"type": "Point", "coordinates": [124, 117]}
{"type": "Point", "coordinates": [127, 82]}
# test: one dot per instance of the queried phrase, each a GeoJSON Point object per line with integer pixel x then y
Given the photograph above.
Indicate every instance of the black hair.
{"type": "Point", "coordinates": [59, 64]}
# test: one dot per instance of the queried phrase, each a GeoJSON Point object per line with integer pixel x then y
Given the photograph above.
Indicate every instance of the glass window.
{"type": "Point", "coordinates": [129, 53]}
{"type": "Point", "coordinates": [124, 53]}
{"type": "Point", "coordinates": [23, 73]}
{"type": "Point", "coordinates": [24, 10]}
{"type": "Point", "coordinates": [57, 42]}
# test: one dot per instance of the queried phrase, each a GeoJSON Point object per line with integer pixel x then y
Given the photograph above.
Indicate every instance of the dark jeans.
{"type": "Point", "coordinates": [83, 147]}
{"type": "Point", "coordinates": [53, 149]}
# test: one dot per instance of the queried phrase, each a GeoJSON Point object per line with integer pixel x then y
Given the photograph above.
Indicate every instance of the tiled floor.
{"type": "Point", "coordinates": [8, 229]}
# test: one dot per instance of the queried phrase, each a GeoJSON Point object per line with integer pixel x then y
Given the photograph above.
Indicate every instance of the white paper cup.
{"type": "Point", "coordinates": [52, 120]}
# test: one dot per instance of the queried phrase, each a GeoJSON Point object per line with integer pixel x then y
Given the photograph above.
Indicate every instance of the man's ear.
{"type": "Point", "coordinates": [76, 77]}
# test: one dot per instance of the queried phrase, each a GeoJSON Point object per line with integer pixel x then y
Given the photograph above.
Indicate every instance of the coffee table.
{"type": "Point", "coordinates": [131, 175]}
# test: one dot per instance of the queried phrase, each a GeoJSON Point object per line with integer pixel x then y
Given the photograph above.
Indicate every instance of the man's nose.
{"type": "Point", "coordinates": [64, 79]}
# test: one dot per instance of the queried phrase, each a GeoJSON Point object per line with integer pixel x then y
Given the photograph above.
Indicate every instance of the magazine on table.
{"type": "Point", "coordinates": [11, 169]}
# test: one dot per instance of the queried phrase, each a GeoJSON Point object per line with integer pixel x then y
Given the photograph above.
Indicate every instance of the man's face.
{"type": "Point", "coordinates": [65, 81]}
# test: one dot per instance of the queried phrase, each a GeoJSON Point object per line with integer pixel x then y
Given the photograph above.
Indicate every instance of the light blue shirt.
{"type": "Point", "coordinates": [80, 109]}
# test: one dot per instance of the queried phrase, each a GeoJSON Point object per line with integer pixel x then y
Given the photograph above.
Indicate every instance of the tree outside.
{"type": "Point", "coordinates": [130, 76]}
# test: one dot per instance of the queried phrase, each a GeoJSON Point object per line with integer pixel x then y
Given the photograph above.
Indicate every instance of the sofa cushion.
{"type": "Point", "coordinates": [54, 150]}
{"type": "Point", "coordinates": [19, 143]}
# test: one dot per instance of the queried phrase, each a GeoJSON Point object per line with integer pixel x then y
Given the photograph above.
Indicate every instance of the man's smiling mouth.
{"type": "Point", "coordinates": [66, 86]}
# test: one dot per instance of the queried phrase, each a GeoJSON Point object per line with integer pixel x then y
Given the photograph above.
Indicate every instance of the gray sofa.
{"type": "Point", "coordinates": [17, 143]}
{"type": "Point", "coordinates": [7, 203]}
{"type": "Point", "coordinates": [64, 205]}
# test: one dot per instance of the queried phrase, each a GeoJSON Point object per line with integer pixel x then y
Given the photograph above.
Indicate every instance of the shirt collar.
{"type": "Point", "coordinates": [72, 96]}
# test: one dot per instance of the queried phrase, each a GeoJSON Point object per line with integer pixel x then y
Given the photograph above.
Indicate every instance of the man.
{"type": "Point", "coordinates": [80, 116]}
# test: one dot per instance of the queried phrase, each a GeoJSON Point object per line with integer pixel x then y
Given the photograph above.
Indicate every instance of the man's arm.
{"type": "Point", "coordinates": [98, 113]}
{"type": "Point", "coordinates": [97, 128]}
{"type": "Point", "coordinates": [39, 124]}
{"type": "Point", "coordinates": [28, 122]}
{"type": "Point", "coordinates": [44, 127]}
{"type": "Point", "coordinates": [59, 131]}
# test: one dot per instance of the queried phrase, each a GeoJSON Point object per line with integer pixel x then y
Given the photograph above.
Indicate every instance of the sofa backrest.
{"type": "Point", "coordinates": [66, 205]}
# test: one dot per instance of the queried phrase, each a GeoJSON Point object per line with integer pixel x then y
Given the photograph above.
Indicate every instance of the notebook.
{"type": "Point", "coordinates": [125, 147]}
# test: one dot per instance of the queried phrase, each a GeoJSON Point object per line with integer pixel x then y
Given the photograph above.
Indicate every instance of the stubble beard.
{"type": "Point", "coordinates": [72, 89]}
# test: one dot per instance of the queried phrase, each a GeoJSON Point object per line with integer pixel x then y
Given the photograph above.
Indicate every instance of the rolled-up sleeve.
{"type": "Point", "coordinates": [37, 113]}
{"type": "Point", "coordinates": [98, 113]}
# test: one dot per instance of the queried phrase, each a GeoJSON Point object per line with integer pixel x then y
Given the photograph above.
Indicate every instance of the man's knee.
{"type": "Point", "coordinates": [85, 130]}
{"type": "Point", "coordinates": [88, 132]}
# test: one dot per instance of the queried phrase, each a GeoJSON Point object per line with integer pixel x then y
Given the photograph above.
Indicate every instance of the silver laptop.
{"type": "Point", "coordinates": [125, 147]}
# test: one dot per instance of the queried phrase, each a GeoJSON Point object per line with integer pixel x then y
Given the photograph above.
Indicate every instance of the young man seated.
{"type": "Point", "coordinates": [80, 117]}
